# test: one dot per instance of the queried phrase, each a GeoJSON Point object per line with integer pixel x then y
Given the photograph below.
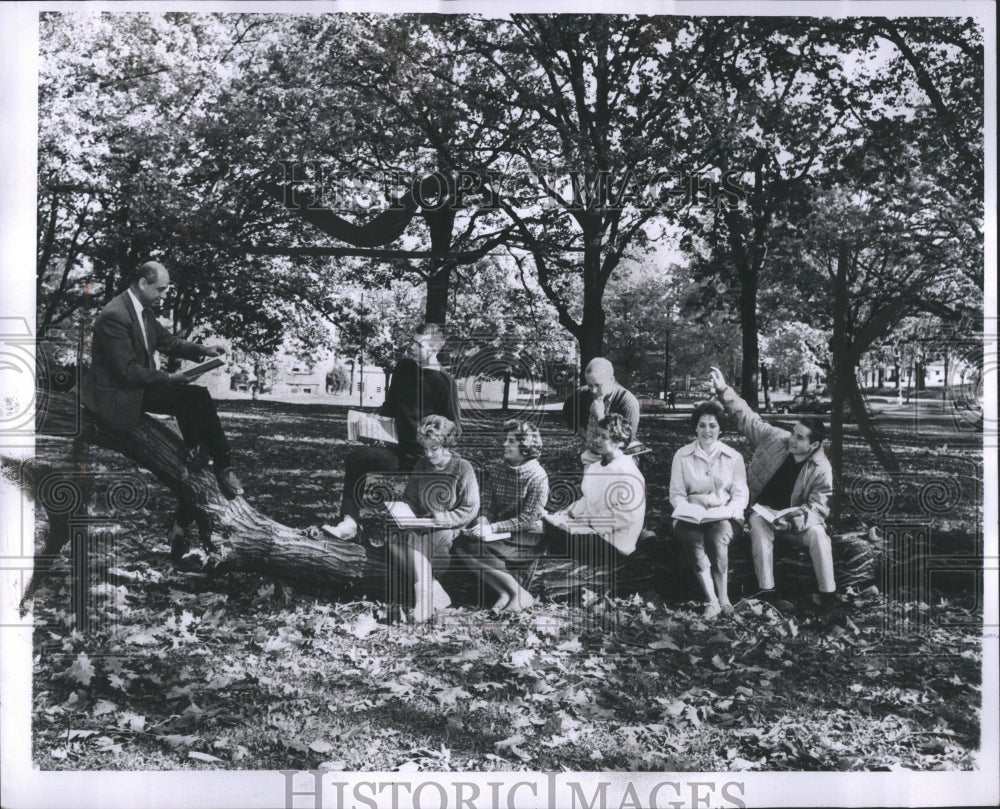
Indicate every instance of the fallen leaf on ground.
{"type": "Point", "coordinates": [82, 670]}
{"type": "Point", "coordinates": [203, 756]}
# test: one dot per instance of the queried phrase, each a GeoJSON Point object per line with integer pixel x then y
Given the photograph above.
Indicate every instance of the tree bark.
{"type": "Point", "coordinates": [839, 369]}
{"type": "Point", "coordinates": [243, 537]}
{"type": "Point", "coordinates": [666, 362]}
{"type": "Point", "coordinates": [441, 224]}
{"type": "Point", "coordinates": [764, 383]}
{"type": "Point", "coordinates": [751, 352]}
{"type": "Point", "coordinates": [591, 334]}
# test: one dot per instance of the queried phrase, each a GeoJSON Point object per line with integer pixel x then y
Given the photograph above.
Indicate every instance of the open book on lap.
{"type": "Point", "coordinates": [693, 513]}
{"type": "Point", "coordinates": [402, 516]}
{"type": "Point", "coordinates": [495, 537]}
{"type": "Point", "coordinates": [770, 514]}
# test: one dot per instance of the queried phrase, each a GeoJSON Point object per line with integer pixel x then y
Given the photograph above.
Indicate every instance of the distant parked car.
{"type": "Point", "coordinates": [804, 403]}
{"type": "Point", "coordinates": [812, 403]}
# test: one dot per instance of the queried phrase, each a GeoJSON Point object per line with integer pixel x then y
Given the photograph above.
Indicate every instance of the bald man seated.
{"type": "Point", "coordinates": [124, 382]}
{"type": "Point", "coordinates": [600, 397]}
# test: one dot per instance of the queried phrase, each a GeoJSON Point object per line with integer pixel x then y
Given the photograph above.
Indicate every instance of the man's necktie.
{"type": "Point", "coordinates": [147, 330]}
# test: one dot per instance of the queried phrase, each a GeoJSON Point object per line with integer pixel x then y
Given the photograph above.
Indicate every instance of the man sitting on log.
{"type": "Point", "coordinates": [123, 381]}
{"type": "Point", "coordinates": [788, 473]}
{"type": "Point", "coordinates": [601, 396]}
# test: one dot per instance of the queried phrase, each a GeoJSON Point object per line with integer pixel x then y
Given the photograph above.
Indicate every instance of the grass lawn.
{"type": "Point", "coordinates": [185, 671]}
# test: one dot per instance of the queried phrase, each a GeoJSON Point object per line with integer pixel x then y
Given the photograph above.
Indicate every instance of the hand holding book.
{"type": "Point", "coordinates": [202, 368]}
{"type": "Point", "coordinates": [369, 426]}
{"type": "Point", "coordinates": [780, 519]}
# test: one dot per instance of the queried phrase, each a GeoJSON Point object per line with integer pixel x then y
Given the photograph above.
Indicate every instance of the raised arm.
{"type": "Point", "coordinates": [748, 423]}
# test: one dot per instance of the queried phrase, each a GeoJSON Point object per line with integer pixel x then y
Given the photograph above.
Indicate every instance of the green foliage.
{"type": "Point", "coordinates": [158, 132]}
{"type": "Point", "coordinates": [507, 327]}
{"type": "Point", "coordinates": [376, 324]}
{"type": "Point", "coordinates": [794, 349]}
{"type": "Point", "coordinates": [127, 172]}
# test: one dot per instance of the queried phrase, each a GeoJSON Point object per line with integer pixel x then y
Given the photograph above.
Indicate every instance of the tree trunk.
{"type": "Point", "coordinates": [946, 389]}
{"type": "Point", "coordinates": [839, 370]}
{"type": "Point", "coordinates": [440, 223]}
{"type": "Point", "coordinates": [844, 389]}
{"type": "Point", "coordinates": [361, 380]}
{"type": "Point", "coordinates": [751, 353]}
{"type": "Point", "coordinates": [659, 564]}
{"type": "Point", "coordinates": [764, 384]}
{"type": "Point", "coordinates": [591, 338]}
{"type": "Point", "coordinates": [505, 405]}
{"type": "Point", "coordinates": [666, 361]}
{"type": "Point", "coordinates": [436, 310]}
{"type": "Point", "coordinates": [243, 537]}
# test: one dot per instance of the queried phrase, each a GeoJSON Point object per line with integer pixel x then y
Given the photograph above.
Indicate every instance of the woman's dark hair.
{"type": "Point", "coordinates": [709, 408]}
{"type": "Point", "coordinates": [619, 429]}
{"type": "Point", "coordinates": [529, 440]}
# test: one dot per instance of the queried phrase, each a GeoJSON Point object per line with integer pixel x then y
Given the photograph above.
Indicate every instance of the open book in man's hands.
{"type": "Point", "coordinates": [368, 425]}
{"type": "Point", "coordinates": [402, 515]}
{"type": "Point", "coordinates": [771, 515]}
{"type": "Point", "coordinates": [693, 513]}
{"type": "Point", "coordinates": [203, 368]}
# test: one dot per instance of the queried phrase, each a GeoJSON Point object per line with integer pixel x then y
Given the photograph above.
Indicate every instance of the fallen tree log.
{"type": "Point", "coordinates": [242, 537]}
{"type": "Point", "coordinates": [658, 566]}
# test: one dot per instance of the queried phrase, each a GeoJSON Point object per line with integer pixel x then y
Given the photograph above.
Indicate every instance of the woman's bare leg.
{"type": "Point", "coordinates": [476, 564]}
{"type": "Point", "coordinates": [518, 598]}
{"type": "Point", "coordinates": [423, 587]}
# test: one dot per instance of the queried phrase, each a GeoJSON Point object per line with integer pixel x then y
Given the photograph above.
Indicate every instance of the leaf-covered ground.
{"type": "Point", "coordinates": [183, 671]}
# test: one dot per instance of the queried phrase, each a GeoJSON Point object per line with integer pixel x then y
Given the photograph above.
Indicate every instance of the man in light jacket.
{"type": "Point", "coordinates": [788, 470]}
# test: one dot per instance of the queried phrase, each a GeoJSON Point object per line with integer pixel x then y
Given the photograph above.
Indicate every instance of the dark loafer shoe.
{"type": "Point", "coordinates": [229, 484]}
{"type": "Point", "coordinates": [771, 597]}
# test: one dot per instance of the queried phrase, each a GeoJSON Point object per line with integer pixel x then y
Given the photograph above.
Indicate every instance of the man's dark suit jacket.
{"type": "Point", "coordinates": [121, 367]}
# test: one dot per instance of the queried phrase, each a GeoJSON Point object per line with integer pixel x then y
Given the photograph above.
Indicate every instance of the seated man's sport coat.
{"type": "Point", "coordinates": [121, 367]}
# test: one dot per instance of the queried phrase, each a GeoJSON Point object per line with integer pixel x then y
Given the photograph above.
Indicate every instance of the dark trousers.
{"type": "Point", "coordinates": [370, 460]}
{"type": "Point", "coordinates": [194, 410]}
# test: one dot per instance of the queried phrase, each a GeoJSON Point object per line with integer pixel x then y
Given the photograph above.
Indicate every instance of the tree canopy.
{"type": "Point", "coordinates": [431, 150]}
